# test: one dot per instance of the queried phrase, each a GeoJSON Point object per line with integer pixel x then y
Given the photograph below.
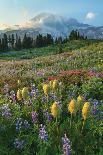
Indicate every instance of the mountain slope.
{"type": "Point", "coordinates": [55, 25]}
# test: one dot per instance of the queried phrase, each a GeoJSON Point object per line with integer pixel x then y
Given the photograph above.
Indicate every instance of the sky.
{"type": "Point", "coordinates": [20, 11]}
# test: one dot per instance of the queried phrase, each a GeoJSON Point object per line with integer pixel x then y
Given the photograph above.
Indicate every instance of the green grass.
{"type": "Point", "coordinates": [28, 53]}
{"type": "Point", "coordinates": [50, 50]}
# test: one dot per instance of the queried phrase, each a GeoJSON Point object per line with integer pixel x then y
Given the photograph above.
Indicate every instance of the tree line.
{"type": "Point", "coordinates": [75, 35]}
{"type": "Point", "coordinates": [14, 42]}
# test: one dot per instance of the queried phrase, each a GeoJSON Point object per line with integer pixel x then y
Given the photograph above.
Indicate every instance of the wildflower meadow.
{"type": "Point", "coordinates": [52, 104]}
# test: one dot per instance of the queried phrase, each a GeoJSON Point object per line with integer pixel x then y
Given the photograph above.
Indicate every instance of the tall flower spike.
{"type": "Point", "coordinates": [46, 89]}
{"type": "Point", "coordinates": [55, 85]}
{"type": "Point", "coordinates": [54, 109]}
{"type": "Point", "coordinates": [71, 106]}
{"type": "Point", "coordinates": [79, 102]}
{"type": "Point", "coordinates": [85, 110]}
{"type": "Point", "coordinates": [25, 92]}
{"type": "Point", "coordinates": [42, 133]}
{"type": "Point", "coordinates": [51, 84]}
{"type": "Point", "coordinates": [19, 95]}
{"type": "Point", "coordinates": [80, 98]}
{"type": "Point", "coordinates": [66, 145]}
{"type": "Point", "coordinates": [34, 116]}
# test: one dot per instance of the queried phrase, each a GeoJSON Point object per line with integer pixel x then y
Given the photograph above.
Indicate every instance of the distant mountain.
{"type": "Point", "coordinates": [55, 25]}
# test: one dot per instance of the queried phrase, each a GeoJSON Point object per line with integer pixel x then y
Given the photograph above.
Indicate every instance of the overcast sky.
{"type": "Point", "coordinates": [20, 11]}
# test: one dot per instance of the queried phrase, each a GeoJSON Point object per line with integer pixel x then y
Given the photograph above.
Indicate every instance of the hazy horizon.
{"type": "Point", "coordinates": [15, 12]}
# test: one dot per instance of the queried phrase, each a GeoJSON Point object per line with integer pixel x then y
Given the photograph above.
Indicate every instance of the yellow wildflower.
{"type": "Point", "coordinates": [80, 98]}
{"type": "Point", "coordinates": [79, 102]}
{"type": "Point", "coordinates": [55, 85]}
{"type": "Point", "coordinates": [51, 83]}
{"type": "Point", "coordinates": [72, 106]}
{"type": "Point", "coordinates": [46, 89]}
{"type": "Point", "coordinates": [18, 81]}
{"type": "Point", "coordinates": [19, 95]}
{"type": "Point", "coordinates": [25, 92]}
{"type": "Point", "coordinates": [85, 110]}
{"type": "Point", "coordinates": [54, 109]}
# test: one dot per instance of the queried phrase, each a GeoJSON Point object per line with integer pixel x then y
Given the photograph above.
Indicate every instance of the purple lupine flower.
{"type": "Point", "coordinates": [6, 111]}
{"type": "Point", "coordinates": [47, 115]}
{"type": "Point", "coordinates": [34, 116]}
{"type": "Point", "coordinates": [34, 91]}
{"type": "Point", "coordinates": [66, 145]}
{"type": "Point", "coordinates": [95, 103]}
{"type": "Point", "coordinates": [26, 124]}
{"type": "Point", "coordinates": [44, 99]}
{"type": "Point", "coordinates": [19, 144]}
{"type": "Point", "coordinates": [95, 107]}
{"type": "Point", "coordinates": [53, 96]}
{"type": "Point", "coordinates": [19, 124]}
{"type": "Point", "coordinates": [42, 133]}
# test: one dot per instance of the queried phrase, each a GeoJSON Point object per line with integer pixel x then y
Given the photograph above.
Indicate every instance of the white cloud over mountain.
{"type": "Point", "coordinates": [90, 15]}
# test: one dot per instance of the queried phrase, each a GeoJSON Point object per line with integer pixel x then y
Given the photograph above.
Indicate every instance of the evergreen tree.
{"type": "Point", "coordinates": [56, 40]}
{"type": "Point", "coordinates": [27, 42]}
{"type": "Point", "coordinates": [12, 41]}
{"type": "Point", "coordinates": [60, 40]}
{"type": "Point", "coordinates": [18, 44]}
{"type": "Point", "coordinates": [24, 42]}
{"type": "Point", "coordinates": [75, 35]}
{"type": "Point", "coordinates": [9, 42]}
{"type": "Point", "coordinates": [0, 45]}
{"type": "Point", "coordinates": [49, 39]}
{"type": "Point", "coordinates": [39, 41]}
{"type": "Point", "coordinates": [5, 43]}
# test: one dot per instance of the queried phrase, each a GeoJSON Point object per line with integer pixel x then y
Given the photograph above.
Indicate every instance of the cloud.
{"type": "Point", "coordinates": [90, 15]}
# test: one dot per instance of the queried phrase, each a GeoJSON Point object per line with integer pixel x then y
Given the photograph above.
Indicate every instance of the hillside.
{"type": "Point", "coordinates": [48, 94]}
{"type": "Point", "coordinates": [27, 64]}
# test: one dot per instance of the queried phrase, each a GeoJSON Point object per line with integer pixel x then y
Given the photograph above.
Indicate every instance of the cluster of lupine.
{"type": "Point", "coordinates": [5, 111]}
{"type": "Point", "coordinates": [20, 124]}
{"type": "Point", "coordinates": [46, 118]}
{"type": "Point", "coordinates": [19, 144]}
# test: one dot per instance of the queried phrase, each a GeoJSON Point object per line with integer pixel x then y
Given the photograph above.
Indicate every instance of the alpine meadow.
{"type": "Point", "coordinates": [51, 77]}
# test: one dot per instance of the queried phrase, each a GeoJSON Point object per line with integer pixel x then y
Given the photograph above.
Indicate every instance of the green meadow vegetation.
{"type": "Point", "coordinates": [51, 99]}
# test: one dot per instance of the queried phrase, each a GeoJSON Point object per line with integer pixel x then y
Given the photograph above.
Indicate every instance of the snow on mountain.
{"type": "Point", "coordinates": [54, 24]}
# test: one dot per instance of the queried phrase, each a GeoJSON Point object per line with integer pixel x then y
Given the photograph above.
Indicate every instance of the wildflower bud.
{"type": "Point", "coordinates": [46, 89]}
{"type": "Point", "coordinates": [54, 109]}
{"type": "Point", "coordinates": [19, 82]}
{"type": "Point", "coordinates": [19, 95]}
{"type": "Point", "coordinates": [79, 102]}
{"type": "Point", "coordinates": [72, 106]}
{"type": "Point", "coordinates": [55, 85]}
{"type": "Point", "coordinates": [51, 83]}
{"type": "Point", "coordinates": [79, 98]}
{"type": "Point", "coordinates": [25, 92]}
{"type": "Point", "coordinates": [85, 110]}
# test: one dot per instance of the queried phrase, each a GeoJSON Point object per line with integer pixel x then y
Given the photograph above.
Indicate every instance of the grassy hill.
{"type": "Point", "coordinates": [51, 50]}
{"type": "Point", "coordinates": [76, 55]}
{"type": "Point", "coordinates": [48, 98]}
